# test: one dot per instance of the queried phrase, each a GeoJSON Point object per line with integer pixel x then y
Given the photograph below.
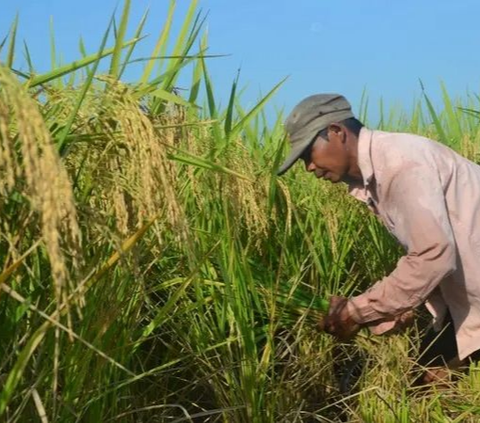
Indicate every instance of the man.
{"type": "Point", "coordinates": [428, 197]}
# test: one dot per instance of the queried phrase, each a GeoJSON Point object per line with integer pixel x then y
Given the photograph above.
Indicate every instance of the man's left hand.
{"type": "Point", "coordinates": [338, 322]}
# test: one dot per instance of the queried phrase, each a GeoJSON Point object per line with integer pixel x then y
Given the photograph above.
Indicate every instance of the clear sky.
{"type": "Point", "coordinates": [343, 46]}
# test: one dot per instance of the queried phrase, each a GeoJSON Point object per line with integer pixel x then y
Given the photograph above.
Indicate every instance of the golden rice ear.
{"type": "Point", "coordinates": [36, 171]}
{"type": "Point", "coordinates": [145, 179]}
{"type": "Point", "coordinates": [469, 149]}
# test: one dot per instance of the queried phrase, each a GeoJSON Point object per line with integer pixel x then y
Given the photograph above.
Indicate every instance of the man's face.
{"type": "Point", "coordinates": [327, 157]}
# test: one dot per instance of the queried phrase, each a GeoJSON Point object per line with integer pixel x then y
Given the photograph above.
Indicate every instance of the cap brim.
{"type": "Point", "coordinates": [293, 157]}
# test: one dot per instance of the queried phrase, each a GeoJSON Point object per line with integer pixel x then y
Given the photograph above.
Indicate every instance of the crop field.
{"type": "Point", "coordinates": [155, 269]}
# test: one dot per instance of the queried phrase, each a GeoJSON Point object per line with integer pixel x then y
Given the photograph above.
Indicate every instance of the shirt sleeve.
{"type": "Point", "coordinates": [415, 206]}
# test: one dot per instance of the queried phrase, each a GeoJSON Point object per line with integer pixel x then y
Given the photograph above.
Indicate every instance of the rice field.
{"type": "Point", "coordinates": [155, 269]}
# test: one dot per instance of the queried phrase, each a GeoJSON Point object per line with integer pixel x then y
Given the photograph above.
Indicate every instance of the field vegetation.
{"type": "Point", "coordinates": [155, 269]}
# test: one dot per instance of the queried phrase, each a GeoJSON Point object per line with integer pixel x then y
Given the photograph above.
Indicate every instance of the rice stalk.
{"type": "Point", "coordinates": [294, 303]}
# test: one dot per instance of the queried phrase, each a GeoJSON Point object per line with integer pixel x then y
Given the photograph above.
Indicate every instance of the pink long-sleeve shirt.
{"type": "Point", "coordinates": [428, 197]}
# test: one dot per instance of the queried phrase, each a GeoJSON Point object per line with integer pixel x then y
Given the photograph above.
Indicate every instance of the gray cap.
{"type": "Point", "coordinates": [308, 118]}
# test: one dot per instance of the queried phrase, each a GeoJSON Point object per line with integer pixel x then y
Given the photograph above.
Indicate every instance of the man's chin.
{"type": "Point", "coordinates": [331, 177]}
{"type": "Point", "coordinates": [335, 179]}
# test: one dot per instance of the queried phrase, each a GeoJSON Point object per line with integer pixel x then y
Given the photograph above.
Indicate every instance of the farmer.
{"type": "Point", "coordinates": [428, 197]}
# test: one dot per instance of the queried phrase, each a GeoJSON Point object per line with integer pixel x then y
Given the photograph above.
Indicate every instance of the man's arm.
{"type": "Point", "coordinates": [415, 203]}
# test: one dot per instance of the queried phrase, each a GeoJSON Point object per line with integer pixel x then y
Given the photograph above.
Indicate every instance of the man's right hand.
{"type": "Point", "coordinates": [338, 322]}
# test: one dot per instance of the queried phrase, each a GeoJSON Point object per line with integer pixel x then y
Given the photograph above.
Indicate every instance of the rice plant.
{"type": "Point", "coordinates": [154, 268]}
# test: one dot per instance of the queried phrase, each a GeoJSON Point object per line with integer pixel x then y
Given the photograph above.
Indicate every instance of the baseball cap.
{"type": "Point", "coordinates": [312, 115]}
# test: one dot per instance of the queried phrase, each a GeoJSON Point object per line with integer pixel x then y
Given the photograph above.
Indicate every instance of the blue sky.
{"type": "Point", "coordinates": [323, 46]}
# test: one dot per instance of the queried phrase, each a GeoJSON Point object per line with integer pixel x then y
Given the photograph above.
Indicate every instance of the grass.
{"type": "Point", "coordinates": [158, 270]}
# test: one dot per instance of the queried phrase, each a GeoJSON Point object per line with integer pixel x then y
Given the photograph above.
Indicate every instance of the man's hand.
{"type": "Point", "coordinates": [405, 320]}
{"type": "Point", "coordinates": [338, 322]}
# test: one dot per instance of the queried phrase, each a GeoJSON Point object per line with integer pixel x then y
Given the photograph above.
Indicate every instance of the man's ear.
{"type": "Point", "coordinates": [337, 131]}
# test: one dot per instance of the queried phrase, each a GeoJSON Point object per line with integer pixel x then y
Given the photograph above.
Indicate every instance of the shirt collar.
{"type": "Point", "coordinates": [364, 155]}
{"type": "Point", "coordinates": [358, 190]}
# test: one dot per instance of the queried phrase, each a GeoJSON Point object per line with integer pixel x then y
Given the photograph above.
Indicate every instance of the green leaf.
{"type": "Point", "coordinates": [11, 46]}
{"type": "Point", "coordinates": [182, 44]}
{"type": "Point", "coordinates": [161, 45]}
{"type": "Point", "coordinates": [74, 66]}
{"type": "Point", "coordinates": [61, 142]}
{"type": "Point", "coordinates": [255, 110]}
{"type": "Point", "coordinates": [434, 116]}
{"type": "Point", "coordinates": [196, 81]}
{"type": "Point", "coordinates": [453, 121]}
{"type": "Point", "coordinates": [201, 162]}
{"type": "Point", "coordinates": [165, 95]}
{"type": "Point", "coordinates": [230, 108]}
{"type": "Point", "coordinates": [4, 41]}
{"type": "Point", "coordinates": [31, 69]}
{"type": "Point", "coordinates": [145, 89]}
{"type": "Point", "coordinates": [53, 56]}
{"type": "Point", "coordinates": [208, 83]}
{"type": "Point", "coordinates": [119, 43]}
{"type": "Point", "coordinates": [138, 34]}
{"type": "Point", "coordinates": [18, 368]}
{"type": "Point", "coordinates": [163, 312]}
